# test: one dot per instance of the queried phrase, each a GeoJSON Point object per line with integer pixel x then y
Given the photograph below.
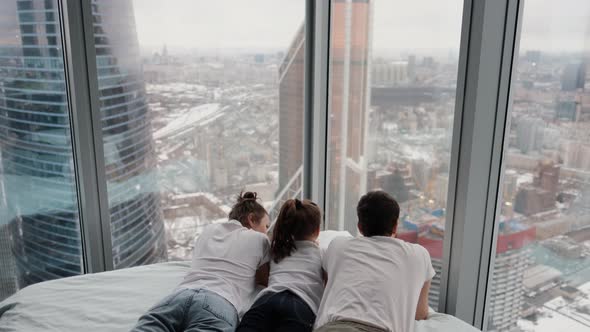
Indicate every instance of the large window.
{"type": "Point", "coordinates": [39, 221]}
{"type": "Point", "coordinates": [199, 100]}
{"type": "Point", "coordinates": [393, 76]}
{"type": "Point", "coordinates": [541, 277]}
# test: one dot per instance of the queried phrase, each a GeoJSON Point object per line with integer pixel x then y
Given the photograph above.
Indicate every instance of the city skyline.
{"type": "Point", "coordinates": [549, 27]}
{"type": "Point", "coordinates": [184, 131]}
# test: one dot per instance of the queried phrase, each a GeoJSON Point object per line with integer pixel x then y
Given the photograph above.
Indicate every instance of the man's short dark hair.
{"type": "Point", "coordinates": [378, 214]}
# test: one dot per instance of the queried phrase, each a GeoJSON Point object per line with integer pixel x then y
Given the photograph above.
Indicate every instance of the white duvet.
{"type": "Point", "coordinates": [113, 301]}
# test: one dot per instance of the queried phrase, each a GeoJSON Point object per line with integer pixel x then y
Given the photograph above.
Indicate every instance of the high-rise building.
{"type": "Point", "coordinates": [573, 77]}
{"type": "Point", "coordinates": [349, 99]}
{"type": "Point", "coordinates": [533, 56]}
{"type": "Point", "coordinates": [37, 171]}
{"type": "Point", "coordinates": [529, 134]}
{"type": "Point", "coordinates": [541, 195]}
{"type": "Point", "coordinates": [291, 108]}
{"type": "Point", "coordinates": [137, 227]}
{"type": "Point", "coordinates": [389, 73]}
{"type": "Point", "coordinates": [513, 259]}
{"type": "Point", "coordinates": [507, 285]}
{"type": "Point", "coordinates": [39, 206]}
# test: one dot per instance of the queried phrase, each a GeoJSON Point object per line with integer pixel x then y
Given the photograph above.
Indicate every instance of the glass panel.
{"type": "Point", "coordinates": [199, 100]}
{"type": "Point", "coordinates": [393, 75]}
{"type": "Point", "coordinates": [39, 221]}
{"type": "Point", "coordinates": [541, 277]}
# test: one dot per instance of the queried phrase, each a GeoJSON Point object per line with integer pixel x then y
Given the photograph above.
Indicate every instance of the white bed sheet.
{"type": "Point", "coordinates": [113, 301]}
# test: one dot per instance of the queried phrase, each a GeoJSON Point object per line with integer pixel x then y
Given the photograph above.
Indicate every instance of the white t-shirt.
{"type": "Point", "coordinates": [225, 259]}
{"type": "Point", "coordinates": [300, 273]}
{"type": "Point", "coordinates": [375, 281]}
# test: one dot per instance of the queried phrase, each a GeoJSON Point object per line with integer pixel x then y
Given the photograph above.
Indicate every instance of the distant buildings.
{"type": "Point", "coordinates": [573, 77]}
{"type": "Point", "coordinates": [386, 73]}
{"type": "Point", "coordinates": [529, 134]}
{"type": "Point", "coordinates": [541, 195]}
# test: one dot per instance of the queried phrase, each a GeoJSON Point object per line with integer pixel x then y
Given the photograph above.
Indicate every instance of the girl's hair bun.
{"type": "Point", "coordinates": [247, 196]}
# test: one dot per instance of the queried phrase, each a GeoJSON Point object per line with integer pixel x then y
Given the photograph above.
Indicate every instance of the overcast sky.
{"type": "Point", "coordinates": [550, 25]}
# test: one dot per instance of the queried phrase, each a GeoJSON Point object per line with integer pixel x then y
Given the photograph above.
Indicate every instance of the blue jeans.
{"type": "Point", "coordinates": [191, 310]}
{"type": "Point", "coordinates": [282, 312]}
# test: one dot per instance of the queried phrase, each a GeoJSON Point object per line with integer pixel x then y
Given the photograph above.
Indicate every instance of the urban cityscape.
{"type": "Point", "coordinates": [184, 131]}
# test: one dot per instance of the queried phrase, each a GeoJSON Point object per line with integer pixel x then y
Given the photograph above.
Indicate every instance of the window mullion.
{"type": "Point", "coordinates": [485, 60]}
{"type": "Point", "coordinates": [81, 80]}
{"type": "Point", "coordinates": [316, 110]}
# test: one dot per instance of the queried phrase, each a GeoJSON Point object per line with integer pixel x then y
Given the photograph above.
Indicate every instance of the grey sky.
{"type": "Point", "coordinates": [554, 25]}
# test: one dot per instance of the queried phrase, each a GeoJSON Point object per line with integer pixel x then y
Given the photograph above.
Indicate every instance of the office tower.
{"type": "Point", "coordinates": [540, 196]}
{"type": "Point", "coordinates": [529, 134]}
{"type": "Point", "coordinates": [573, 77]}
{"type": "Point", "coordinates": [349, 98]}
{"type": "Point", "coordinates": [291, 109]}
{"type": "Point", "coordinates": [507, 283]}
{"type": "Point", "coordinates": [37, 174]}
{"type": "Point", "coordinates": [513, 258]}
{"type": "Point", "coordinates": [532, 56]}
{"type": "Point", "coordinates": [566, 110]}
{"type": "Point", "coordinates": [137, 227]}
{"type": "Point", "coordinates": [38, 206]}
{"type": "Point", "coordinates": [8, 282]}
{"type": "Point", "coordinates": [389, 74]}
{"type": "Point", "coordinates": [547, 177]}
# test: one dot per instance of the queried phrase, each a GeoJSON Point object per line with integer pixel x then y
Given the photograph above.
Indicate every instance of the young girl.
{"type": "Point", "coordinates": [227, 260]}
{"type": "Point", "coordinates": [296, 284]}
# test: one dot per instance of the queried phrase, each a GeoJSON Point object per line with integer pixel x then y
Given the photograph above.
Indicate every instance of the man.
{"type": "Point", "coordinates": [375, 282]}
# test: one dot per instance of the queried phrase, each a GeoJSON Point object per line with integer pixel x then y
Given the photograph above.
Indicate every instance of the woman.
{"type": "Point", "coordinates": [228, 260]}
{"type": "Point", "coordinates": [296, 282]}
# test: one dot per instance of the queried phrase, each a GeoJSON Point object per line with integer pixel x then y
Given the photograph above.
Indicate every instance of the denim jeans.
{"type": "Point", "coordinates": [191, 310]}
{"type": "Point", "coordinates": [284, 312]}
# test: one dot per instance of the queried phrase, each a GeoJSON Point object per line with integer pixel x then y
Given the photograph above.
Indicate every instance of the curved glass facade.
{"type": "Point", "coordinates": [39, 223]}
{"type": "Point", "coordinates": [137, 227]}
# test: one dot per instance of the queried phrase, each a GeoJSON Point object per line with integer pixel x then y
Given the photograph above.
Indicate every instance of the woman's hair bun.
{"type": "Point", "coordinates": [247, 196]}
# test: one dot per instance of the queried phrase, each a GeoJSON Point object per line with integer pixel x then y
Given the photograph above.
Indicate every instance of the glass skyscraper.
{"type": "Point", "coordinates": [137, 226]}
{"type": "Point", "coordinates": [38, 208]}
{"type": "Point", "coordinates": [39, 221]}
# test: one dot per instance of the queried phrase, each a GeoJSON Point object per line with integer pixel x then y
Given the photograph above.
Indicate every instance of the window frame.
{"type": "Point", "coordinates": [489, 44]}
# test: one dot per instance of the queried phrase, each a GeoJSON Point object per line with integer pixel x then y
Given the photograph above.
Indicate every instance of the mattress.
{"type": "Point", "coordinates": [113, 301]}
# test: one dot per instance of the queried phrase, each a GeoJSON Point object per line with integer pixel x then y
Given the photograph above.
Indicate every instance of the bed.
{"type": "Point", "coordinates": [112, 301]}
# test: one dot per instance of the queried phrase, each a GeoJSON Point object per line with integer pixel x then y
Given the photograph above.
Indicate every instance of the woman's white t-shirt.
{"type": "Point", "coordinates": [225, 259]}
{"type": "Point", "coordinates": [300, 273]}
{"type": "Point", "coordinates": [375, 281]}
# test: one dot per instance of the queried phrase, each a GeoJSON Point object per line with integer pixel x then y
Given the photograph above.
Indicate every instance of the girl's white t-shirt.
{"type": "Point", "coordinates": [225, 259]}
{"type": "Point", "coordinates": [300, 273]}
{"type": "Point", "coordinates": [375, 281]}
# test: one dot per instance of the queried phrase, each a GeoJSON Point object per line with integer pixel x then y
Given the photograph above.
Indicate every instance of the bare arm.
{"type": "Point", "coordinates": [422, 309]}
{"type": "Point", "coordinates": [262, 275]}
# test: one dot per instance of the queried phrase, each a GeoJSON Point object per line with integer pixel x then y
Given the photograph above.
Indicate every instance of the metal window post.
{"type": "Point", "coordinates": [316, 99]}
{"type": "Point", "coordinates": [485, 64]}
{"type": "Point", "coordinates": [82, 87]}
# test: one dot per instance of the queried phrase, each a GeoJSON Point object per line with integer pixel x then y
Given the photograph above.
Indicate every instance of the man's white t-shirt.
{"type": "Point", "coordinates": [225, 259]}
{"type": "Point", "coordinates": [300, 273]}
{"type": "Point", "coordinates": [375, 281]}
